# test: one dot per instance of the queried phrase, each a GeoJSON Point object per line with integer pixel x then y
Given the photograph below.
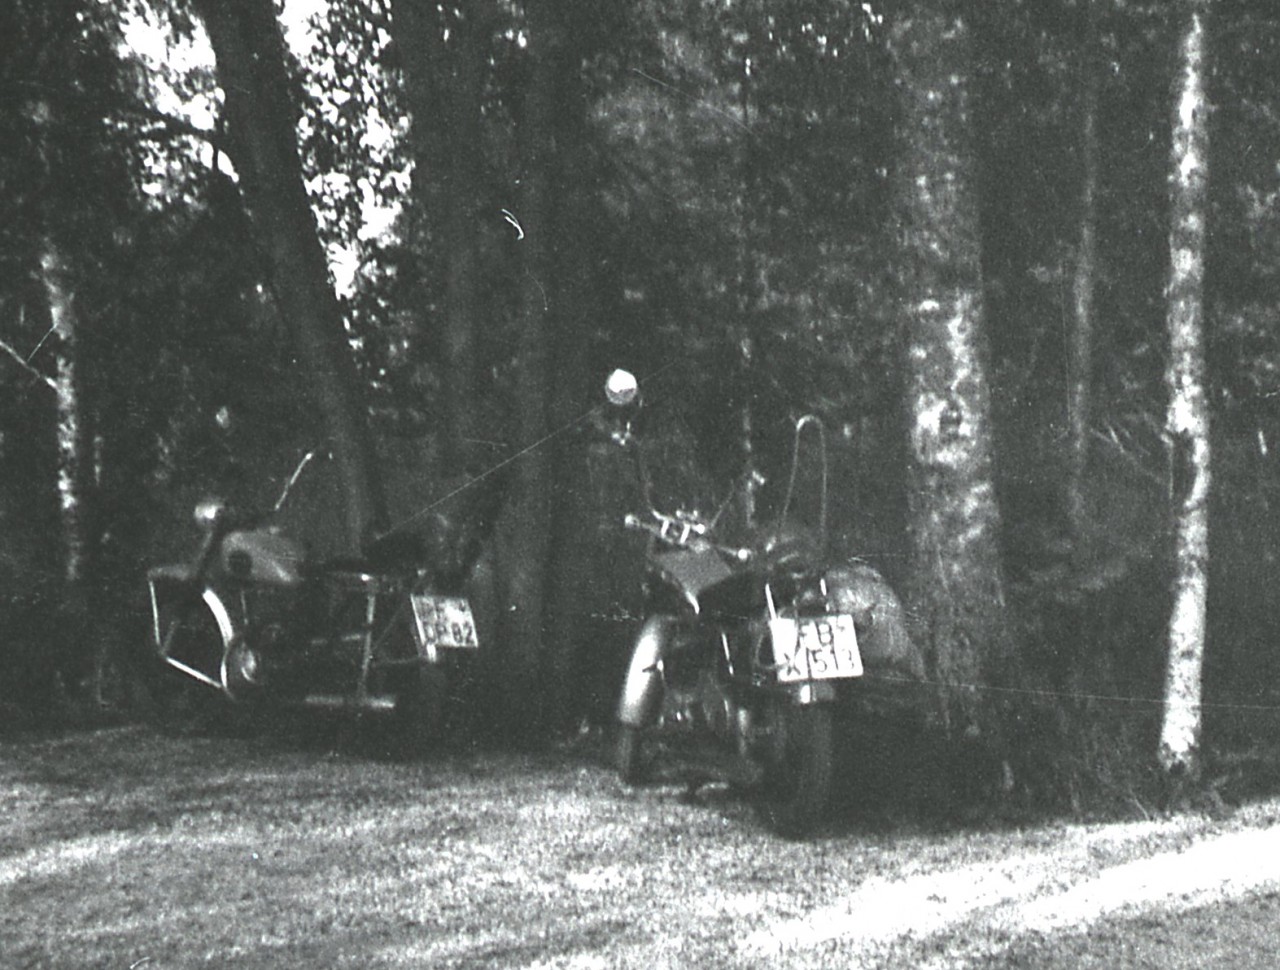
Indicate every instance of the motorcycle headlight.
{"type": "Point", "coordinates": [208, 512]}
{"type": "Point", "coordinates": [245, 665]}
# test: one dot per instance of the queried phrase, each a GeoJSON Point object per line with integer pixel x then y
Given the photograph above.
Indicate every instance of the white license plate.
{"type": "Point", "coordinates": [444, 621]}
{"type": "Point", "coordinates": [815, 648]}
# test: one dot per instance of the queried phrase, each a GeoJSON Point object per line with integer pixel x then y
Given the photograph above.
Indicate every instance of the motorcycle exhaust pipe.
{"type": "Point", "coordinates": [377, 703]}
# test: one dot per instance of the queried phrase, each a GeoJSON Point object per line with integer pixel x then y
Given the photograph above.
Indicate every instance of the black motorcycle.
{"type": "Point", "coordinates": [745, 645]}
{"type": "Point", "coordinates": [251, 622]}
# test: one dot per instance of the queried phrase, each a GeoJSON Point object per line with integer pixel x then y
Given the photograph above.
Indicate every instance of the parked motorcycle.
{"type": "Point", "coordinates": [251, 622]}
{"type": "Point", "coordinates": [746, 645]}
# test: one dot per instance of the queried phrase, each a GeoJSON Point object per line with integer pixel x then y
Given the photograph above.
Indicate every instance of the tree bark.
{"type": "Point", "coordinates": [957, 588]}
{"type": "Point", "coordinates": [75, 484]}
{"type": "Point", "coordinates": [73, 465]}
{"type": "Point", "coordinates": [524, 529]}
{"type": "Point", "coordinates": [1083, 285]}
{"type": "Point", "coordinates": [577, 598]}
{"type": "Point", "coordinates": [249, 49]}
{"type": "Point", "coordinates": [1187, 418]}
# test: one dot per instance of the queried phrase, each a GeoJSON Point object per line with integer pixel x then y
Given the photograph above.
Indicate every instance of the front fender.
{"type": "Point", "coordinates": [208, 613]}
{"type": "Point", "coordinates": [642, 690]}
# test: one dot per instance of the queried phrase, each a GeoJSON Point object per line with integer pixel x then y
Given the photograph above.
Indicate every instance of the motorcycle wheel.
{"type": "Point", "coordinates": [797, 782]}
{"type": "Point", "coordinates": [420, 709]}
{"type": "Point", "coordinates": [629, 755]}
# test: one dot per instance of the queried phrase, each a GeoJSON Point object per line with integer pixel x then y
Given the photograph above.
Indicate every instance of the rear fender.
{"type": "Point", "coordinates": [643, 688]}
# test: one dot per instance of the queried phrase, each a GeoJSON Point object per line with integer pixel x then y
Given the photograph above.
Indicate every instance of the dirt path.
{"type": "Point", "coordinates": [977, 913]}
{"type": "Point", "coordinates": [118, 849]}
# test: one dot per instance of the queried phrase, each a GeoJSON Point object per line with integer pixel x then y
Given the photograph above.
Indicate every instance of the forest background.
{"type": "Point", "coordinates": [760, 209]}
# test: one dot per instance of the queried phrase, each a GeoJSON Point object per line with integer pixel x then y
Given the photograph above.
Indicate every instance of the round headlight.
{"type": "Point", "coordinates": [245, 664]}
{"type": "Point", "coordinates": [621, 388]}
{"type": "Point", "coordinates": [208, 512]}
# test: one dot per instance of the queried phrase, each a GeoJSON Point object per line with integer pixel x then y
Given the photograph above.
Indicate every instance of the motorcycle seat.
{"type": "Point", "coordinates": [179, 572]}
{"type": "Point", "coordinates": [354, 572]}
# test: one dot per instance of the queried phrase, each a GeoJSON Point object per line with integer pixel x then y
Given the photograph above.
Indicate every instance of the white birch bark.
{"type": "Point", "coordinates": [1187, 420]}
{"type": "Point", "coordinates": [1080, 376]}
{"type": "Point", "coordinates": [957, 586]}
{"type": "Point", "coordinates": [66, 389]}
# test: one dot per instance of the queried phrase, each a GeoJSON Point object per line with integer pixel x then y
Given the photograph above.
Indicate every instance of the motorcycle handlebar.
{"type": "Point", "coordinates": [682, 533]}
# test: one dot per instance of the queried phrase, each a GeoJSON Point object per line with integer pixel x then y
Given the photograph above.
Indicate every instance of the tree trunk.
{"type": "Point", "coordinates": [85, 647]}
{"type": "Point", "coordinates": [1083, 285]}
{"type": "Point", "coordinates": [444, 82]}
{"type": "Point", "coordinates": [957, 588]}
{"type": "Point", "coordinates": [249, 49]}
{"type": "Point", "coordinates": [524, 530]}
{"type": "Point", "coordinates": [1187, 419]}
{"type": "Point", "coordinates": [578, 598]}
{"type": "Point", "coordinates": [73, 464]}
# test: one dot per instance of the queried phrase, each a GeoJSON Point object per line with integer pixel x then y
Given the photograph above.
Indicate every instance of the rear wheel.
{"type": "Point", "coordinates": [799, 752]}
{"type": "Point", "coordinates": [420, 707]}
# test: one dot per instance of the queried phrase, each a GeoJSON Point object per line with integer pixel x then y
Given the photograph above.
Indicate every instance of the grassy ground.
{"type": "Point", "coordinates": [119, 848]}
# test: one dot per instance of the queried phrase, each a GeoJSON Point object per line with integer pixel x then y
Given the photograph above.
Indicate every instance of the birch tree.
{"type": "Point", "coordinates": [70, 420]}
{"type": "Point", "coordinates": [1187, 418]}
{"type": "Point", "coordinates": [1083, 285]}
{"type": "Point", "coordinates": [957, 589]}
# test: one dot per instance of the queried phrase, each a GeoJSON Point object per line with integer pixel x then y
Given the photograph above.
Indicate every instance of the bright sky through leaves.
{"type": "Point", "coordinates": [164, 57]}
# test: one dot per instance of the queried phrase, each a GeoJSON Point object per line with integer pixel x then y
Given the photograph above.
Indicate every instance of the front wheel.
{"type": "Point", "coordinates": [798, 765]}
{"type": "Point", "coordinates": [629, 755]}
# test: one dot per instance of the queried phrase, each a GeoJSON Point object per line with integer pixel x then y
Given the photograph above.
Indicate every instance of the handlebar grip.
{"type": "Point", "coordinates": [630, 521]}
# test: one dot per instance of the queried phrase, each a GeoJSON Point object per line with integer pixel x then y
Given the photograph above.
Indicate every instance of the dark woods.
{"type": "Point", "coordinates": [948, 229]}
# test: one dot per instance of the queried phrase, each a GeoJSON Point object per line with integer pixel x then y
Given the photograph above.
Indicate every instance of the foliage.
{"type": "Point", "coordinates": [734, 174]}
{"type": "Point", "coordinates": [747, 154]}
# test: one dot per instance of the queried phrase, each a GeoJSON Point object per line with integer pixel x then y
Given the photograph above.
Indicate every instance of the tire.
{"type": "Point", "coordinates": [629, 755]}
{"type": "Point", "coordinates": [798, 769]}
{"type": "Point", "coordinates": [420, 711]}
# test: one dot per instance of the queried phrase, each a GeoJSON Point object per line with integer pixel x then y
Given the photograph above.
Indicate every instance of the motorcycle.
{"type": "Point", "coordinates": [251, 623]}
{"type": "Point", "coordinates": [748, 646]}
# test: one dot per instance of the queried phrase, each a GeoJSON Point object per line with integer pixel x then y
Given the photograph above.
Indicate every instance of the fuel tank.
{"type": "Point", "coordinates": [262, 556]}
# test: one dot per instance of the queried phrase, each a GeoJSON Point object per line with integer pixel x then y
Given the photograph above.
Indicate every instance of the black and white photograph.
{"type": "Point", "coordinates": [639, 484]}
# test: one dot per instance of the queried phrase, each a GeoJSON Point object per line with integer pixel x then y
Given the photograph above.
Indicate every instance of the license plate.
{"type": "Point", "coordinates": [815, 648]}
{"type": "Point", "coordinates": [444, 621]}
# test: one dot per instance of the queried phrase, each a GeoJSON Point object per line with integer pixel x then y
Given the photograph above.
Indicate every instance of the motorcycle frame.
{"type": "Point", "coordinates": [207, 582]}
